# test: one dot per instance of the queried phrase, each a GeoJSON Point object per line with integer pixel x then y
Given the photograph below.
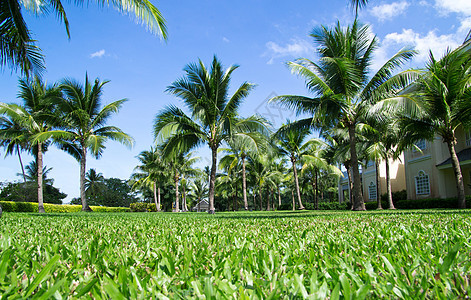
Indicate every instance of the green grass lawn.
{"type": "Point", "coordinates": [413, 254]}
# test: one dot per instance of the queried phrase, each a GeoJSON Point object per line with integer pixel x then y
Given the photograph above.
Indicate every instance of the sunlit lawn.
{"type": "Point", "coordinates": [405, 254]}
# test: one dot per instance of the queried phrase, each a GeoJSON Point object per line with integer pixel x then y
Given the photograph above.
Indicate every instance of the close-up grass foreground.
{"type": "Point", "coordinates": [267, 255]}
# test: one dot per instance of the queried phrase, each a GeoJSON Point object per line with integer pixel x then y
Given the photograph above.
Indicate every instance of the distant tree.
{"type": "Point", "coordinates": [26, 192]}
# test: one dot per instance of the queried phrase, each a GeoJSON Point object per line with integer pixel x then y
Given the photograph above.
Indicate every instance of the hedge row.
{"type": "Point", "coordinates": [142, 207]}
{"type": "Point", "coordinates": [10, 206]}
{"type": "Point", "coordinates": [421, 203]}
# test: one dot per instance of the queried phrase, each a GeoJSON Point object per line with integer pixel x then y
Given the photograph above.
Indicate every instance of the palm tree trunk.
{"type": "Point", "coordinates": [177, 199]}
{"type": "Point", "coordinates": [268, 200]}
{"type": "Point", "coordinates": [294, 203]}
{"type": "Point", "coordinates": [21, 162]}
{"type": "Point", "coordinates": [244, 184]}
{"type": "Point", "coordinates": [358, 203]}
{"type": "Point", "coordinates": [212, 179]}
{"type": "Point", "coordinates": [234, 202]}
{"type": "Point", "coordinates": [83, 166]}
{"type": "Point", "coordinates": [158, 197]}
{"type": "Point", "coordinates": [316, 190]}
{"type": "Point", "coordinates": [260, 196]}
{"type": "Point", "coordinates": [350, 183]}
{"type": "Point", "coordinates": [40, 179]}
{"type": "Point", "coordinates": [184, 206]}
{"type": "Point", "coordinates": [155, 197]}
{"type": "Point", "coordinates": [378, 185]}
{"type": "Point", "coordinates": [388, 185]}
{"type": "Point", "coordinates": [296, 181]}
{"type": "Point", "coordinates": [458, 175]}
{"type": "Point", "coordinates": [279, 197]}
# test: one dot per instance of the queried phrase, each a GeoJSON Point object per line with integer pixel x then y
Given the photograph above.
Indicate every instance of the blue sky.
{"type": "Point", "coordinates": [259, 35]}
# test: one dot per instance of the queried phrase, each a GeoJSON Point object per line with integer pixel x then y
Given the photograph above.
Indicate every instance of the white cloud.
{"type": "Point", "coordinates": [456, 6]}
{"type": "Point", "coordinates": [98, 54]}
{"type": "Point", "coordinates": [431, 41]}
{"type": "Point", "coordinates": [295, 48]}
{"type": "Point", "coordinates": [388, 11]}
{"type": "Point", "coordinates": [225, 39]}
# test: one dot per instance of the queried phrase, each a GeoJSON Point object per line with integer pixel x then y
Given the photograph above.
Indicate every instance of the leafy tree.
{"type": "Point", "coordinates": [26, 192]}
{"type": "Point", "coordinates": [343, 90]}
{"type": "Point", "coordinates": [83, 122]}
{"type": "Point", "coordinates": [213, 114]}
{"type": "Point", "coordinates": [19, 51]}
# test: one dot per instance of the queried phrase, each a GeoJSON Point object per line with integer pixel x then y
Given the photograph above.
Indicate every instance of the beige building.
{"type": "Point", "coordinates": [396, 172]}
{"type": "Point", "coordinates": [429, 173]}
{"type": "Point", "coordinates": [368, 178]}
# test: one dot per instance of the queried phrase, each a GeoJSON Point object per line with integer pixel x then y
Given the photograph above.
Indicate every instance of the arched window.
{"type": "Point", "coordinates": [421, 144]}
{"type": "Point", "coordinates": [422, 184]}
{"type": "Point", "coordinates": [372, 191]}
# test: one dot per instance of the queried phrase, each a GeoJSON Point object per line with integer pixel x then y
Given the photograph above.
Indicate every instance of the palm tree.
{"type": "Point", "coordinates": [357, 5]}
{"type": "Point", "coordinates": [83, 122]}
{"type": "Point", "coordinates": [290, 140]}
{"type": "Point", "coordinates": [35, 118]}
{"type": "Point", "coordinates": [240, 146]}
{"type": "Point", "coordinates": [32, 173]}
{"type": "Point", "coordinates": [343, 90]}
{"type": "Point", "coordinates": [19, 51]}
{"type": "Point", "coordinates": [199, 190]}
{"type": "Point", "coordinates": [441, 104]}
{"type": "Point", "coordinates": [187, 171]}
{"type": "Point", "coordinates": [312, 156]}
{"type": "Point", "coordinates": [150, 172]}
{"type": "Point", "coordinates": [14, 138]}
{"type": "Point", "coordinates": [94, 184]}
{"type": "Point", "coordinates": [213, 114]}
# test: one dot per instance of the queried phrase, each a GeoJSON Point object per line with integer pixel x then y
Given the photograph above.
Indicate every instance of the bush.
{"type": "Point", "coordinates": [285, 206]}
{"type": "Point", "coordinates": [327, 206]}
{"type": "Point", "coordinates": [142, 207]}
{"type": "Point", "coordinates": [53, 208]}
{"type": "Point", "coordinates": [431, 203]}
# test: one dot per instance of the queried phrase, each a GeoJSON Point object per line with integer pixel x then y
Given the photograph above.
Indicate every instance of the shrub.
{"type": "Point", "coordinates": [138, 207]}
{"type": "Point", "coordinates": [431, 203]}
{"type": "Point", "coordinates": [53, 208]}
{"type": "Point", "coordinates": [143, 207]}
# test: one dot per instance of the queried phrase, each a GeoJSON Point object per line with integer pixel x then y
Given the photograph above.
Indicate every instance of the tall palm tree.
{"type": "Point", "coordinates": [83, 122]}
{"type": "Point", "coordinates": [151, 172]}
{"type": "Point", "coordinates": [213, 116]}
{"type": "Point", "coordinates": [19, 51]}
{"type": "Point", "coordinates": [342, 86]}
{"type": "Point", "coordinates": [441, 104]}
{"type": "Point", "coordinates": [36, 117]}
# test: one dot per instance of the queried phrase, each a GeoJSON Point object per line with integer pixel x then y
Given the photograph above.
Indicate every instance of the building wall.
{"type": "Point", "coordinates": [397, 175]}
{"type": "Point", "coordinates": [441, 180]}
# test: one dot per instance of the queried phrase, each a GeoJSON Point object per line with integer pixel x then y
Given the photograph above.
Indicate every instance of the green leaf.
{"type": "Point", "coordinates": [47, 270]}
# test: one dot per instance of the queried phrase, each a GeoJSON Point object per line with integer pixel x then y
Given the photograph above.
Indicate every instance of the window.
{"type": "Point", "coordinates": [370, 163]}
{"type": "Point", "coordinates": [468, 138]}
{"type": "Point", "coordinates": [421, 144]}
{"type": "Point", "coordinates": [422, 185]}
{"type": "Point", "coordinates": [372, 191]}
